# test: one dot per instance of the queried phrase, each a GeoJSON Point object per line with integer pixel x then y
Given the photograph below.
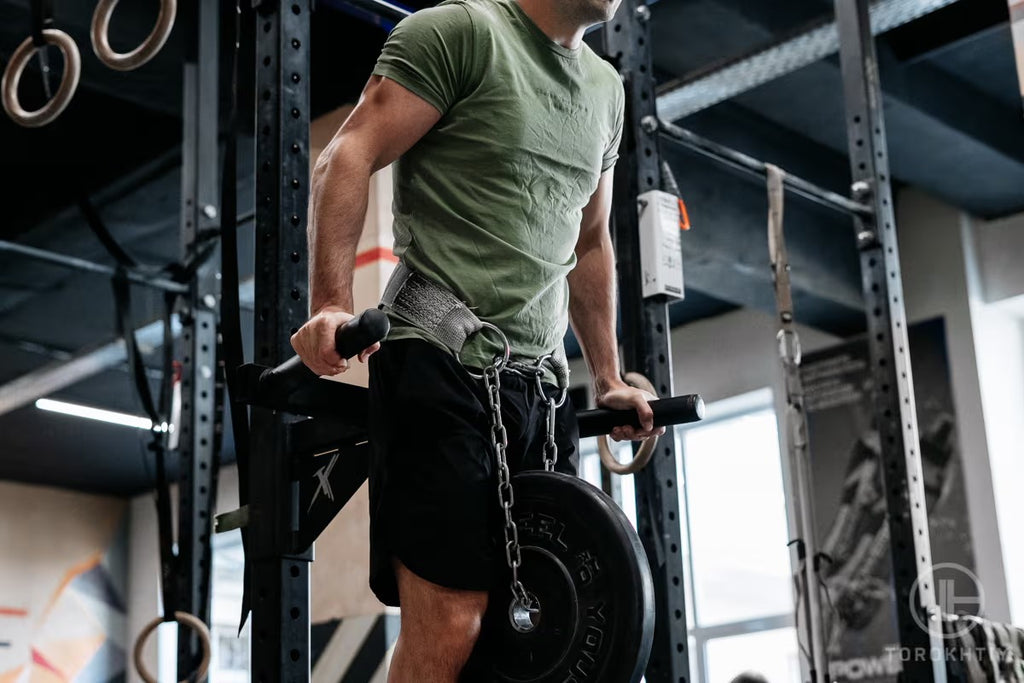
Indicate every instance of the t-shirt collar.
{"type": "Point", "coordinates": [540, 36]}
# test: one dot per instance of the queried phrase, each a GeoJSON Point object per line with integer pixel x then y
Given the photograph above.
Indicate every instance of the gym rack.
{"type": "Point", "coordinates": [281, 577]}
{"type": "Point", "coordinates": [871, 208]}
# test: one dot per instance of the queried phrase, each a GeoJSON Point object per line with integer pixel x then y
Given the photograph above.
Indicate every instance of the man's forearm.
{"type": "Point", "coordinates": [337, 209]}
{"type": "Point", "coordinates": [592, 312]}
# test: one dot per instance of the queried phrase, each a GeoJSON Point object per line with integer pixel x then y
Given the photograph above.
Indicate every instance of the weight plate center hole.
{"type": "Point", "coordinates": [524, 617]}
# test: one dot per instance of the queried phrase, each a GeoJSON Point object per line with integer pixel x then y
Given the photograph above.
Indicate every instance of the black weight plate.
{"type": "Point", "coordinates": [584, 563]}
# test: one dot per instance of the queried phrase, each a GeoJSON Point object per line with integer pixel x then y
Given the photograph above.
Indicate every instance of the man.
{"type": "Point", "coordinates": [505, 127]}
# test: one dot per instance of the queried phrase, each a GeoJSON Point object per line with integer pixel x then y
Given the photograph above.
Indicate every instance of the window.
{"type": "Point", "coordinates": [740, 582]}
{"type": "Point", "coordinates": [229, 662]}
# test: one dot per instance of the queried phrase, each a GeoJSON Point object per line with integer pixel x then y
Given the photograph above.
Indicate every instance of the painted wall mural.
{"type": "Point", "coordinates": [62, 586]}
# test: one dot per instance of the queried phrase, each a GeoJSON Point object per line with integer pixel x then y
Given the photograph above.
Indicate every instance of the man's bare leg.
{"type": "Point", "coordinates": [439, 628]}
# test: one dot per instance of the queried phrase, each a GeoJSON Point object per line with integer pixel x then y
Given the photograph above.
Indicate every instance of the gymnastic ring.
{"type": "Point", "coordinates": [127, 61]}
{"type": "Point", "coordinates": [185, 619]}
{"type": "Point", "coordinates": [68, 82]}
{"type": "Point", "coordinates": [646, 450]}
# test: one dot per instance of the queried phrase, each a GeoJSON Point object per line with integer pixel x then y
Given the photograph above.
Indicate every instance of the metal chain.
{"type": "Point", "coordinates": [550, 447]}
{"type": "Point", "coordinates": [499, 439]}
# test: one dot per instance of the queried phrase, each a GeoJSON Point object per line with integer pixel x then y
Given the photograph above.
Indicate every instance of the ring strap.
{"type": "Point", "coordinates": [42, 19]}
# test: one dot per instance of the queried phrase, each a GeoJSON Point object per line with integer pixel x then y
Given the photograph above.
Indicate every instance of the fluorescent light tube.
{"type": "Point", "coordinates": [89, 413]}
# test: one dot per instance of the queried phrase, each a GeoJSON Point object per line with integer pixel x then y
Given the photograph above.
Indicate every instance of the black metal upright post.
{"type": "Point", "coordinates": [197, 440]}
{"type": "Point", "coordinates": [918, 617]}
{"type": "Point", "coordinates": [646, 344]}
{"type": "Point", "coordinates": [280, 572]}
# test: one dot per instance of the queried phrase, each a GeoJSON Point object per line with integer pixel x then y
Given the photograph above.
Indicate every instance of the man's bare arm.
{"type": "Point", "coordinates": [386, 122]}
{"type": "Point", "coordinates": [592, 313]}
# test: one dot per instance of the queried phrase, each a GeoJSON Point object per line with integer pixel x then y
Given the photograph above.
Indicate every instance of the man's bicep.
{"type": "Point", "coordinates": [388, 120]}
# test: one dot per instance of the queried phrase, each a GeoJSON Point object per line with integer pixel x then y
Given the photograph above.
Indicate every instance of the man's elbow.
{"type": "Point", "coordinates": [343, 158]}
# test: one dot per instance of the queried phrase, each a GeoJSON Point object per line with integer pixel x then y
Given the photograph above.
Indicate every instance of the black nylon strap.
{"type": "Point", "coordinates": [157, 445]}
{"type": "Point", "coordinates": [42, 19]}
{"type": "Point", "coordinates": [96, 224]}
{"type": "Point", "coordinates": [231, 321]}
{"type": "Point", "coordinates": [136, 368]}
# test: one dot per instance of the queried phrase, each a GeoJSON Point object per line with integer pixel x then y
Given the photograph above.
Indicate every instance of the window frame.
{"type": "Point", "coordinates": [730, 408]}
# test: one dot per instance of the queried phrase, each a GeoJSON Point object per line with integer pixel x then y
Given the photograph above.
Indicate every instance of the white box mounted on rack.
{"type": "Point", "coordinates": [662, 218]}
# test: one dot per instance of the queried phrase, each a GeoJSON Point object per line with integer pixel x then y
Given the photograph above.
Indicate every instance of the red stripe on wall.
{"type": "Point", "coordinates": [376, 254]}
{"type": "Point", "coordinates": [13, 612]}
{"type": "Point", "coordinates": [40, 660]}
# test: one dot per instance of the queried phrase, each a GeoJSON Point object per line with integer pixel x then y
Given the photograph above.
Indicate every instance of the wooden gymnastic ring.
{"type": "Point", "coordinates": [68, 82]}
{"type": "Point", "coordinates": [143, 53]}
{"type": "Point", "coordinates": [185, 619]}
{"type": "Point", "coordinates": [646, 450]}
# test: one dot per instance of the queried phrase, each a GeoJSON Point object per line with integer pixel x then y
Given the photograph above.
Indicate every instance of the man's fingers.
{"type": "Point", "coordinates": [646, 414]}
{"type": "Point", "coordinates": [367, 352]}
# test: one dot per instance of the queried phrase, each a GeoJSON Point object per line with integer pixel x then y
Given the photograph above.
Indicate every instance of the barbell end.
{"type": "Point", "coordinates": [698, 407]}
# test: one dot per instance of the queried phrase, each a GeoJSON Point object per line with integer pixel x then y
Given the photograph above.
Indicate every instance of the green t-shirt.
{"type": "Point", "coordinates": [489, 202]}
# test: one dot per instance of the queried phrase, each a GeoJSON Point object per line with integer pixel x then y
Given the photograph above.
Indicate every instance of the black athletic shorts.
{"type": "Point", "coordinates": [433, 484]}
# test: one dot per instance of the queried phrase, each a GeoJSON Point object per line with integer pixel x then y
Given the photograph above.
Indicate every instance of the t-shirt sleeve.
{"type": "Point", "coordinates": [430, 53]}
{"type": "Point", "coordinates": [611, 152]}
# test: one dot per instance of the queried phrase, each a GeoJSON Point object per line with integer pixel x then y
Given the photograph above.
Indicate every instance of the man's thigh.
{"type": "Point", "coordinates": [432, 492]}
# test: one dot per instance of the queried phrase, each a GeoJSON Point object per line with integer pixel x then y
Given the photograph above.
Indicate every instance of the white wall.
{"type": "Point", "coordinates": [995, 287]}
{"type": "Point", "coordinates": [935, 280]}
{"type": "Point", "coordinates": [999, 247]}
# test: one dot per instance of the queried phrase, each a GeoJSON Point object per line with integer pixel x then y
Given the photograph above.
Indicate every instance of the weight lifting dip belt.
{"type": "Point", "coordinates": [440, 313]}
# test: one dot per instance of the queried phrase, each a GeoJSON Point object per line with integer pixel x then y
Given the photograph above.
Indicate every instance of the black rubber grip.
{"type": "Point", "coordinates": [362, 331]}
{"type": "Point", "coordinates": [667, 411]}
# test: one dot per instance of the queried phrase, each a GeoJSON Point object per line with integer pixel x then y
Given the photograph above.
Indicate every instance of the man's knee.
{"type": "Point", "coordinates": [442, 619]}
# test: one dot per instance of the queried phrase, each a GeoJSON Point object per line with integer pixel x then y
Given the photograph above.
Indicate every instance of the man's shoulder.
{"type": "Point", "coordinates": [465, 16]}
{"type": "Point", "coordinates": [454, 13]}
{"type": "Point", "coordinates": [602, 70]}
{"type": "Point", "coordinates": [483, 13]}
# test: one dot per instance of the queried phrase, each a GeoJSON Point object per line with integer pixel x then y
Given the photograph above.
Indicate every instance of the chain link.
{"type": "Point", "coordinates": [550, 447]}
{"type": "Point", "coordinates": [499, 440]}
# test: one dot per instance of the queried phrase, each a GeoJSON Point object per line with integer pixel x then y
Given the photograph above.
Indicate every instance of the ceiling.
{"type": "Point", "coordinates": [953, 116]}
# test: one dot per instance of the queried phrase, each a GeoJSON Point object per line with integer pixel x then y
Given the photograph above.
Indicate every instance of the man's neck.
{"type": "Point", "coordinates": [556, 25]}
